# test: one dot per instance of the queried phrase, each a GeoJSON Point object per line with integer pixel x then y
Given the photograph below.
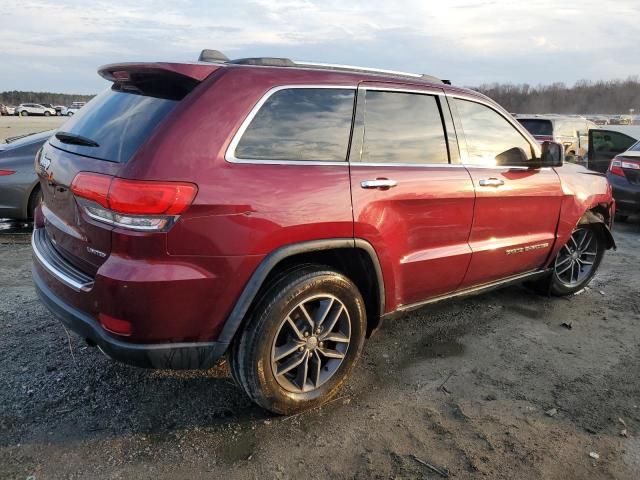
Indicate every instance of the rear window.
{"type": "Point", "coordinates": [635, 147]}
{"type": "Point", "coordinates": [119, 122]}
{"type": "Point", "coordinates": [537, 127]}
{"type": "Point", "coordinates": [304, 124]}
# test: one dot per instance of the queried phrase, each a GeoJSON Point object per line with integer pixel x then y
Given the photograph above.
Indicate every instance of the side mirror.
{"type": "Point", "coordinates": [552, 154]}
{"type": "Point", "coordinates": [514, 157]}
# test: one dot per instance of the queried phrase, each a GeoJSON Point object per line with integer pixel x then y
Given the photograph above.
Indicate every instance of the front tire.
{"type": "Point", "coordinates": [46, 114]}
{"type": "Point", "coordinates": [301, 341]}
{"type": "Point", "coordinates": [24, 113]}
{"type": "Point", "coordinates": [576, 262]}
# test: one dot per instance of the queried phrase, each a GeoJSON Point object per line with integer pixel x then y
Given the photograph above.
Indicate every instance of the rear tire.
{"type": "Point", "coordinates": [576, 263]}
{"type": "Point", "coordinates": [34, 200]}
{"type": "Point", "coordinates": [301, 341]}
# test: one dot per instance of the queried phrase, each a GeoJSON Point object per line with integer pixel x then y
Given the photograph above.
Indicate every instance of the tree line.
{"type": "Point", "coordinates": [16, 97]}
{"type": "Point", "coordinates": [608, 97]}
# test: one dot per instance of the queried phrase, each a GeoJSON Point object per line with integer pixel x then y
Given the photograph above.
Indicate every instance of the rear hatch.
{"type": "Point", "coordinates": [102, 137]}
{"type": "Point", "coordinates": [540, 128]}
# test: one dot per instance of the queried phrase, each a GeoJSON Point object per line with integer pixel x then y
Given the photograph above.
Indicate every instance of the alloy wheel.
{"type": "Point", "coordinates": [311, 343]}
{"type": "Point", "coordinates": [576, 258]}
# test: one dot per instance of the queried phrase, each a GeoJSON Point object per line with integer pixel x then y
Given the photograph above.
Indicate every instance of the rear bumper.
{"type": "Point", "coordinates": [192, 355]}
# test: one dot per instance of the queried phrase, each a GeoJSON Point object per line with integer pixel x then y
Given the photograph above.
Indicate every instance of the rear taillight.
{"type": "Point", "coordinates": [133, 204]}
{"type": "Point", "coordinates": [618, 164]}
{"type": "Point", "coordinates": [6, 173]}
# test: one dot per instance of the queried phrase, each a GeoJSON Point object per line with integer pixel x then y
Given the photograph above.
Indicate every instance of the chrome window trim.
{"type": "Point", "coordinates": [509, 118]}
{"type": "Point", "coordinates": [230, 154]}
{"type": "Point", "coordinates": [428, 90]}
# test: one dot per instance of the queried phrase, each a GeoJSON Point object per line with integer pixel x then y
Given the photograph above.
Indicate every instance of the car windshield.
{"type": "Point", "coordinates": [537, 126]}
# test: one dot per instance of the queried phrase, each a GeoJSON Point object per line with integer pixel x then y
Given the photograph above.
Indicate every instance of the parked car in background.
{"type": "Point", "coordinates": [570, 131]}
{"type": "Point", "coordinates": [624, 177]}
{"type": "Point", "coordinates": [277, 211]}
{"type": "Point", "coordinates": [19, 188]}
{"type": "Point", "coordinates": [57, 108]}
{"type": "Point", "coordinates": [25, 109]}
{"type": "Point", "coordinates": [73, 109]}
{"type": "Point", "coordinates": [607, 142]}
{"type": "Point", "coordinates": [3, 110]}
{"type": "Point", "coordinates": [11, 110]}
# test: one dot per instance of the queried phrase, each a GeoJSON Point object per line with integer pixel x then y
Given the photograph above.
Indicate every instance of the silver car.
{"type": "Point", "coordinates": [19, 188]}
{"type": "Point", "coordinates": [25, 109]}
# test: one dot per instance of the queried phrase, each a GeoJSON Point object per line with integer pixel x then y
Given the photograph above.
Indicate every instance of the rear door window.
{"type": "Point", "coordinates": [537, 127]}
{"type": "Point", "coordinates": [402, 127]}
{"type": "Point", "coordinates": [118, 121]}
{"type": "Point", "coordinates": [300, 124]}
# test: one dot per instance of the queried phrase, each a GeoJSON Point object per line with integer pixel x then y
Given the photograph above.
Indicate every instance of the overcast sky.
{"type": "Point", "coordinates": [57, 45]}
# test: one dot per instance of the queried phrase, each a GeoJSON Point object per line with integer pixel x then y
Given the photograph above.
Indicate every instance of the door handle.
{"type": "Point", "coordinates": [383, 183]}
{"type": "Point", "coordinates": [491, 182]}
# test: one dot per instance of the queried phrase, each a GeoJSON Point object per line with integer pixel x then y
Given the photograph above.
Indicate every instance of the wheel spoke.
{"type": "Point", "coordinates": [559, 272]}
{"type": "Point", "coordinates": [330, 353]}
{"type": "Point", "coordinates": [584, 262]}
{"type": "Point", "coordinates": [324, 312]}
{"type": "Point", "coordinates": [563, 261]}
{"type": "Point", "coordinates": [587, 238]}
{"type": "Point", "coordinates": [334, 319]}
{"type": "Point", "coordinates": [307, 316]}
{"type": "Point", "coordinates": [303, 370]}
{"type": "Point", "coordinates": [575, 244]}
{"type": "Point", "coordinates": [577, 270]}
{"type": "Point", "coordinates": [295, 329]}
{"type": "Point", "coordinates": [290, 364]}
{"type": "Point", "coordinates": [316, 368]}
{"type": "Point", "coordinates": [286, 350]}
{"type": "Point", "coordinates": [335, 337]}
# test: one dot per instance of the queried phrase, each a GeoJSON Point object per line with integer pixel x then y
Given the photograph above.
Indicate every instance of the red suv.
{"type": "Point", "coordinates": [279, 211]}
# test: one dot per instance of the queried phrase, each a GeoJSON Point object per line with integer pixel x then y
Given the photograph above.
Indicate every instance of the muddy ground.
{"type": "Point", "coordinates": [462, 385]}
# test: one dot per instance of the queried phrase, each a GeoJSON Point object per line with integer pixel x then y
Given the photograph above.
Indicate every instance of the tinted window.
{"type": "Point", "coordinates": [311, 124]}
{"type": "Point", "coordinates": [489, 134]}
{"type": "Point", "coordinates": [119, 122]}
{"type": "Point", "coordinates": [537, 127]}
{"type": "Point", "coordinates": [403, 128]}
{"type": "Point", "coordinates": [635, 147]}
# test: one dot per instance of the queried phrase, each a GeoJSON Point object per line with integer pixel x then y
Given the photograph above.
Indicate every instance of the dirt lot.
{"type": "Point", "coordinates": [11, 126]}
{"type": "Point", "coordinates": [462, 385]}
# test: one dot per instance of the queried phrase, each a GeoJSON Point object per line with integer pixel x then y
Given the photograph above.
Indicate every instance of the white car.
{"type": "Point", "coordinates": [25, 109]}
{"type": "Point", "coordinates": [75, 106]}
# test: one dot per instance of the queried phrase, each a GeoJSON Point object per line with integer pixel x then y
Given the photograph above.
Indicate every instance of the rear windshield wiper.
{"type": "Point", "coordinates": [72, 138]}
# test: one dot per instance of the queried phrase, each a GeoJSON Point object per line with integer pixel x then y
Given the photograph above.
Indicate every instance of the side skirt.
{"type": "Point", "coordinates": [478, 289]}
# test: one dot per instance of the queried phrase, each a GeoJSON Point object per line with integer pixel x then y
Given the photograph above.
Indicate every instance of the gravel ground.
{"type": "Point", "coordinates": [487, 387]}
{"type": "Point", "coordinates": [11, 126]}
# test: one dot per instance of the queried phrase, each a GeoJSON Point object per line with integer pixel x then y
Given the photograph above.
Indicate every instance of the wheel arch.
{"type": "Point", "coordinates": [600, 215]}
{"type": "Point", "coordinates": [354, 258]}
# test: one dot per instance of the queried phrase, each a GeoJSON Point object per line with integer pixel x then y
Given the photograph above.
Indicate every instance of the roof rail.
{"type": "Point", "coordinates": [354, 68]}
{"type": "Point", "coordinates": [215, 56]}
